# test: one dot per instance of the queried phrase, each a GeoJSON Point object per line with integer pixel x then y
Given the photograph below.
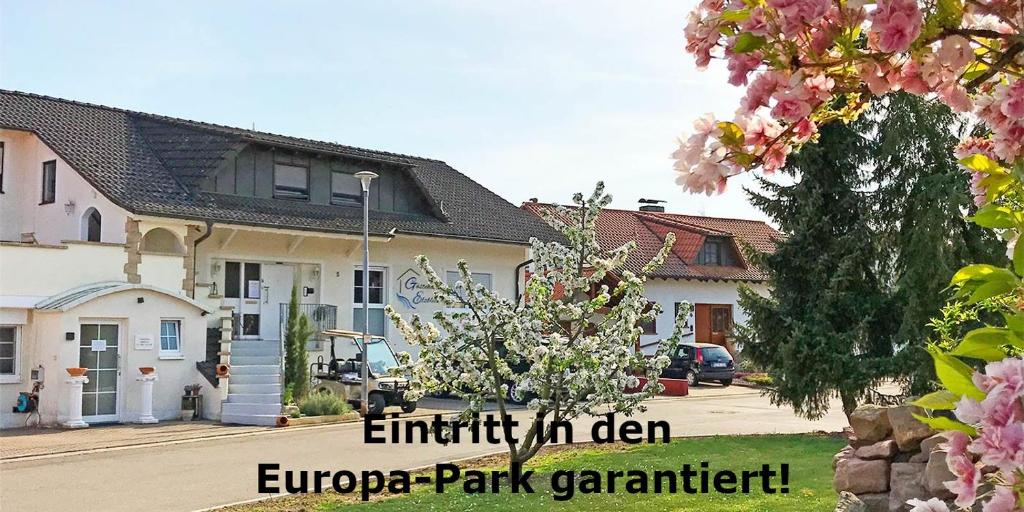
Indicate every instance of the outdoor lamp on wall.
{"type": "Point", "coordinates": [215, 268]}
{"type": "Point", "coordinates": [365, 177]}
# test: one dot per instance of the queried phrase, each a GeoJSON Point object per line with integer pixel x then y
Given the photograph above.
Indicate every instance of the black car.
{"type": "Point", "coordinates": [698, 362]}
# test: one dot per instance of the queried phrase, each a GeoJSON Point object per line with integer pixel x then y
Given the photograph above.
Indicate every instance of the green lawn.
{"type": "Point", "coordinates": [809, 459]}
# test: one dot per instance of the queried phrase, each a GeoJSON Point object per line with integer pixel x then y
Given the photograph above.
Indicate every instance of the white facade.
{"type": "Point", "coordinates": [667, 292]}
{"type": "Point", "coordinates": [44, 254]}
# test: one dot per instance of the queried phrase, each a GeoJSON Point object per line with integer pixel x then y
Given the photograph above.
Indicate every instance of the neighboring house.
{"type": "Point", "coordinates": [706, 267]}
{"type": "Point", "coordinates": [131, 239]}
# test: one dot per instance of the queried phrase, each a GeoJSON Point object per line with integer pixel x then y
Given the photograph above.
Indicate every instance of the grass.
{"type": "Point", "coordinates": [323, 404]}
{"type": "Point", "coordinates": [809, 458]}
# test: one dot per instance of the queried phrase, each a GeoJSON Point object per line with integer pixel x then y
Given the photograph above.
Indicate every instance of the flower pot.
{"type": "Point", "coordinates": [147, 370]}
{"type": "Point", "coordinates": [282, 421]}
{"type": "Point", "coordinates": [76, 372]}
{"type": "Point", "coordinates": [187, 414]}
{"type": "Point", "coordinates": [222, 370]}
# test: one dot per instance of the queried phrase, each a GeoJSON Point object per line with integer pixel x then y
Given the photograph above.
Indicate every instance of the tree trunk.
{"type": "Point", "coordinates": [849, 404]}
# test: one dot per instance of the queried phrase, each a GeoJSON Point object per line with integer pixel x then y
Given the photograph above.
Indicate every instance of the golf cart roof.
{"type": "Point", "coordinates": [344, 333]}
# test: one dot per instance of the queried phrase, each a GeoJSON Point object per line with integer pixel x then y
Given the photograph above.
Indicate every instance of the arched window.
{"type": "Point", "coordinates": [92, 222]}
{"type": "Point", "coordinates": [161, 240]}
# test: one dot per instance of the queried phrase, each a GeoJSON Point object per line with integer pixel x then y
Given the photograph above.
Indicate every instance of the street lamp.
{"type": "Point", "coordinates": [364, 178]}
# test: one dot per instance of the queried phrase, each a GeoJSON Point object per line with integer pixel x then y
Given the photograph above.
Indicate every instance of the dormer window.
{"type": "Point", "coordinates": [291, 182]}
{"type": "Point", "coordinates": [715, 251]}
{"type": "Point", "coordinates": [345, 189]}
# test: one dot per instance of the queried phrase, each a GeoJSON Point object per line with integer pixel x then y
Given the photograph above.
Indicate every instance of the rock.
{"type": "Point", "coordinates": [906, 430]}
{"type": "Point", "coordinates": [905, 457]}
{"type": "Point", "coordinates": [870, 423]}
{"type": "Point", "coordinates": [936, 473]}
{"type": "Point", "coordinates": [920, 457]}
{"type": "Point", "coordinates": [906, 481]}
{"type": "Point", "coordinates": [845, 453]}
{"type": "Point", "coordinates": [876, 502]}
{"type": "Point", "coordinates": [879, 450]}
{"type": "Point", "coordinates": [932, 443]}
{"type": "Point", "coordinates": [848, 502]}
{"type": "Point", "coordinates": [862, 476]}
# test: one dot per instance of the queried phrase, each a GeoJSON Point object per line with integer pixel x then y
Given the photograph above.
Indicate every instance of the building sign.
{"type": "Point", "coordinates": [99, 345]}
{"type": "Point", "coordinates": [144, 342]}
{"type": "Point", "coordinates": [413, 290]}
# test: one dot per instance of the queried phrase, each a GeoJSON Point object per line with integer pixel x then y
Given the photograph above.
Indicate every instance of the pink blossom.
{"type": "Point", "coordinates": [799, 14]}
{"type": "Point", "coordinates": [759, 91]}
{"type": "Point", "coordinates": [910, 79]}
{"type": "Point", "coordinates": [1002, 447]}
{"type": "Point", "coordinates": [873, 75]}
{"type": "Point", "coordinates": [820, 86]}
{"type": "Point", "coordinates": [775, 157]}
{"type": "Point", "coordinates": [968, 477]}
{"type": "Point", "coordinates": [1008, 373]}
{"type": "Point", "coordinates": [804, 130]}
{"type": "Point", "coordinates": [759, 130]}
{"type": "Point", "coordinates": [740, 65]}
{"type": "Point", "coordinates": [955, 52]}
{"type": "Point", "coordinates": [896, 23]}
{"type": "Point", "coordinates": [1013, 100]}
{"type": "Point", "coordinates": [791, 108]}
{"type": "Point", "coordinates": [1003, 500]}
{"type": "Point", "coordinates": [956, 97]}
{"type": "Point", "coordinates": [969, 411]}
{"type": "Point", "coordinates": [756, 23]}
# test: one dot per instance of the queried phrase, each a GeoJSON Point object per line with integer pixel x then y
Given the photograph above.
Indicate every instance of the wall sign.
{"type": "Point", "coordinates": [144, 342]}
{"type": "Point", "coordinates": [413, 290]}
{"type": "Point", "coordinates": [99, 345]}
{"type": "Point", "coordinates": [254, 288]}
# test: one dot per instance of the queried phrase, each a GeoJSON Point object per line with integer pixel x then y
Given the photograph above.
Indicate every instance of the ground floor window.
{"type": "Point", "coordinates": [453, 276]}
{"type": "Point", "coordinates": [9, 350]}
{"type": "Point", "coordinates": [170, 337]}
{"type": "Point", "coordinates": [376, 295]}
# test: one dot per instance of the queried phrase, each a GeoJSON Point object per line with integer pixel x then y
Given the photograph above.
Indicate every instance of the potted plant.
{"type": "Point", "coordinates": [76, 372]}
{"type": "Point", "coordinates": [147, 370]}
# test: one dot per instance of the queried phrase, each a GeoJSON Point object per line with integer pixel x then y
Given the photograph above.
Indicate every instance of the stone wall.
{"type": "Point", "coordinates": [891, 458]}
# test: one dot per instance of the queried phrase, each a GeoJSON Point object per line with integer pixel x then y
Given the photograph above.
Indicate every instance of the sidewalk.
{"type": "Point", "coordinates": [31, 441]}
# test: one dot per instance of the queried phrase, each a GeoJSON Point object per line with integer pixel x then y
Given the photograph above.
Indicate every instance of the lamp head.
{"type": "Point", "coordinates": [365, 177]}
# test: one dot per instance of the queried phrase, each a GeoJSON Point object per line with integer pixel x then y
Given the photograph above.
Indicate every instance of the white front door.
{"type": "Point", "coordinates": [99, 352]}
{"type": "Point", "coordinates": [278, 279]}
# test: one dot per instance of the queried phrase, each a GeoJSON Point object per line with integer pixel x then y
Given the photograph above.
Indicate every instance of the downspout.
{"type": "Point", "coordinates": [195, 255]}
{"type": "Point", "coordinates": [518, 268]}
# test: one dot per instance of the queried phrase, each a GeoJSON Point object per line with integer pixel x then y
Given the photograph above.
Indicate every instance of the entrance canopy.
{"type": "Point", "coordinates": [75, 297]}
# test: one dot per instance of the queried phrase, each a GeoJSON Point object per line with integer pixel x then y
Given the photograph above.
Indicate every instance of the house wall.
{"type": "Point", "coordinates": [43, 344]}
{"type": "Point", "coordinates": [336, 259]}
{"type": "Point", "coordinates": [24, 154]}
{"type": "Point", "coordinates": [34, 271]}
{"type": "Point", "coordinates": [667, 292]}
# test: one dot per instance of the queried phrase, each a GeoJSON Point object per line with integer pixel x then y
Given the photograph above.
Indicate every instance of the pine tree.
{"type": "Point", "coordinates": [296, 359]}
{"type": "Point", "coordinates": [825, 329]}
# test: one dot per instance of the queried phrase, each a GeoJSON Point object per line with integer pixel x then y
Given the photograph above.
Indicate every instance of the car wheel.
{"type": "Point", "coordinates": [726, 382]}
{"type": "Point", "coordinates": [691, 378]}
{"type": "Point", "coordinates": [375, 404]}
{"type": "Point", "coordinates": [409, 407]}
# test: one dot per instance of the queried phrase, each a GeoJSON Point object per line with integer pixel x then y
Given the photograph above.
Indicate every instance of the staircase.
{"type": "Point", "coordinates": [254, 388]}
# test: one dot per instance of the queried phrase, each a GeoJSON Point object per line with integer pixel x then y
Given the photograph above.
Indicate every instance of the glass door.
{"type": "Point", "coordinates": [98, 352]}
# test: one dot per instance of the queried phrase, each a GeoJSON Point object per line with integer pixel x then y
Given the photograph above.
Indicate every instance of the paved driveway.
{"type": "Point", "coordinates": [207, 473]}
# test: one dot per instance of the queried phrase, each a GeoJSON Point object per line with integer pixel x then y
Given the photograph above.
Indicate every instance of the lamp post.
{"type": "Point", "coordinates": [365, 177]}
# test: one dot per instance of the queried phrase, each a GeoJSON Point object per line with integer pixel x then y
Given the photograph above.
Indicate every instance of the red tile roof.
{"type": "Point", "coordinates": [649, 229]}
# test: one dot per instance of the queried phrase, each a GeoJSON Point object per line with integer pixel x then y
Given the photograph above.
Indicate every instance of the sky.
{"type": "Point", "coordinates": [529, 98]}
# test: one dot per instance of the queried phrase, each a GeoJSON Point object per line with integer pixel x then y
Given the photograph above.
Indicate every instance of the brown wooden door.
{"type": "Point", "coordinates": [714, 321]}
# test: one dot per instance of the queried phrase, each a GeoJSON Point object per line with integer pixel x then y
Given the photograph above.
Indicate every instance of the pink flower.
{"type": "Point", "coordinates": [791, 108]}
{"type": "Point", "coordinates": [932, 505]}
{"type": "Point", "coordinates": [910, 79]}
{"type": "Point", "coordinates": [756, 23]}
{"type": "Point", "coordinates": [896, 23]}
{"type": "Point", "coordinates": [1008, 373]}
{"type": "Point", "coordinates": [1002, 447]}
{"type": "Point", "coordinates": [872, 75]}
{"type": "Point", "coordinates": [804, 130]}
{"type": "Point", "coordinates": [955, 52]}
{"type": "Point", "coordinates": [759, 130]}
{"type": "Point", "coordinates": [775, 157]}
{"type": "Point", "coordinates": [799, 14]}
{"type": "Point", "coordinates": [740, 65]}
{"type": "Point", "coordinates": [759, 91]}
{"type": "Point", "coordinates": [1013, 101]}
{"type": "Point", "coordinates": [956, 97]}
{"type": "Point", "coordinates": [820, 86]}
{"type": "Point", "coordinates": [1003, 500]}
{"type": "Point", "coordinates": [968, 477]}
{"type": "Point", "coordinates": [969, 410]}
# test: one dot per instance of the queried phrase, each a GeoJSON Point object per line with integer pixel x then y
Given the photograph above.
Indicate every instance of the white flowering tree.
{"type": "Point", "coordinates": [568, 345]}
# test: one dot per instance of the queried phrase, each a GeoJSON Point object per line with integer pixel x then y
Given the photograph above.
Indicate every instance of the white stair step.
{"type": "Point", "coordinates": [252, 389]}
{"type": "Point", "coordinates": [255, 349]}
{"type": "Point", "coordinates": [254, 379]}
{"type": "Point", "coordinates": [268, 420]}
{"type": "Point", "coordinates": [246, 360]}
{"type": "Point", "coordinates": [255, 369]}
{"type": "Point", "coordinates": [249, 409]}
{"type": "Point", "coordinates": [254, 398]}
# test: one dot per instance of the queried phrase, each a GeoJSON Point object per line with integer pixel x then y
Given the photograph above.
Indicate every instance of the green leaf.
{"type": "Point", "coordinates": [1018, 257]}
{"type": "Point", "coordinates": [941, 400]}
{"type": "Point", "coordinates": [981, 271]}
{"type": "Point", "coordinates": [1015, 323]}
{"type": "Point", "coordinates": [737, 16]}
{"type": "Point", "coordinates": [985, 343]}
{"type": "Point", "coordinates": [995, 217]}
{"type": "Point", "coordinates": [955, 375]}
{"type": "Point", "coordinates": [989, 290]}
{"type": "Point", "coordinates": [944, 423]}
{"type": "Point", "coordinates": [732, 134]}
{"type": "Point", "coordinates": [747, 42]}
{"type": "Point", "coordinates": [981, 163]}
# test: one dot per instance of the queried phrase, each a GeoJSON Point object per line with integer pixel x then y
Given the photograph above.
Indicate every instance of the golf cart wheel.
{"type": "Point", "coordinates": [510, 393]}
{"type": "Point", "coordinates": [375, 404]}
{"type": "Point", "coordinates": [691, 378]}
{"type": "Point", "coordinates": [409, 407]}
{"type": "Point", "coordinates": [726, 382]}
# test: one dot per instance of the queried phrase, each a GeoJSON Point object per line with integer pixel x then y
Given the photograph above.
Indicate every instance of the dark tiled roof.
{"type": "Point", "coordinates": [649, 229]}
{"type": "Point", "coordinates": [151, 165]}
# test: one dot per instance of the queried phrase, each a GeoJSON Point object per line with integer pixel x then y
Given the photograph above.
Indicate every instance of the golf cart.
{"type": "Point", "coordinates": [343, 376]}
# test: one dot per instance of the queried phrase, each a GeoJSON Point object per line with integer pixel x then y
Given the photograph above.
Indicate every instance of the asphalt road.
{"type": "Point", "coordinates": [202, 474]}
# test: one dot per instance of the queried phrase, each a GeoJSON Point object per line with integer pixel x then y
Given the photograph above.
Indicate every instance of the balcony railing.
{"type": "Point", "coordinates": [321, 317]}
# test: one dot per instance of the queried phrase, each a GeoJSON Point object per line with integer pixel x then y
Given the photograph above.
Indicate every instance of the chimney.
{"type": "Point", "coordinates": [651, 205]}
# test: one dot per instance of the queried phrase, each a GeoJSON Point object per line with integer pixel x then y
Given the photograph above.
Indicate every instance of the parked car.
{"type": "Point", "coordinates": [697, 362]}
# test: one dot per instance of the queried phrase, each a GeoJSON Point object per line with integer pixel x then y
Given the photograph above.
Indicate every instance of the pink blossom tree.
{"type": "Point", "coordinates": [809, 62]}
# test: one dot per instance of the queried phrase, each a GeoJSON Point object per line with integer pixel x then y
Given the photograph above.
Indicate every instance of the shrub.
{"type": "Point", "coordinates": [323, 404]}
{"type": "Point", "coordinates": [760, 379]}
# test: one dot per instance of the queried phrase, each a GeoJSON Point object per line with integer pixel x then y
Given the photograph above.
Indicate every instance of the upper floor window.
{"type": "Point", "coordinates": [49, 182]}
{"type": "Point", "coordinates": [92, 221]}
{"type": "Point", "coordinates": [345, 189]}
{"type": "Point", "coordinates": [712, 252]}
{"type": "Point", "coordinates": [291, 182]}
{"type": "Point", "coordinates": [1, 167]}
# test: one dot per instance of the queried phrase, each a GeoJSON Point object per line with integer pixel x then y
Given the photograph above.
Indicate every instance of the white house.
{"type": "Point", "coordinates": [134, 240]}
{"type": "Point", "coordinates": [705, 268]}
